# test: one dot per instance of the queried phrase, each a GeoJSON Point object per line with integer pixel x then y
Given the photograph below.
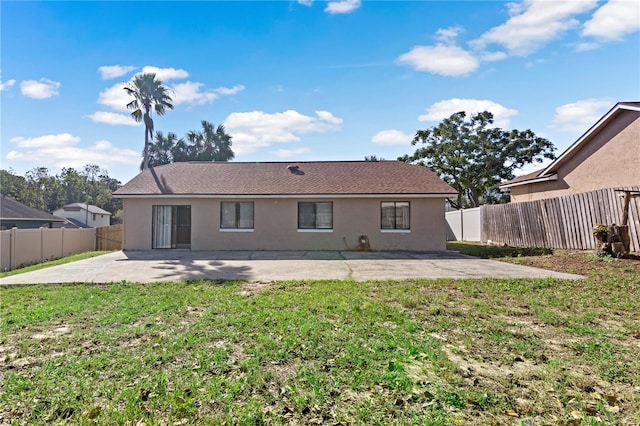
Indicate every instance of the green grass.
{"type": "Point", "coordinates": [61, 261]}
{"type": "Point", "coordinates": [427, 352]}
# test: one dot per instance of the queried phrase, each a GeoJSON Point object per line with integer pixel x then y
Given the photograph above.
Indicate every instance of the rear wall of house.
{"type": "Point", "coordinates": [611, 159]}
{"type": "Point", "coordinates": [276, 223]}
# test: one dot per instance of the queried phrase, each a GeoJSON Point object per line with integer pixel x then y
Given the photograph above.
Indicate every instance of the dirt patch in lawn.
{"type": "Point", "coordinates": [578, 262]}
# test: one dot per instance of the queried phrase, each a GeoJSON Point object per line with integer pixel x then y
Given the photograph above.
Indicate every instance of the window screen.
{"type": "Point", "coordinates": [315, 215]}
{"type": "Point", "coordinates": [236, 215]}
{"type": "Point", "coordinates": [394, 215]}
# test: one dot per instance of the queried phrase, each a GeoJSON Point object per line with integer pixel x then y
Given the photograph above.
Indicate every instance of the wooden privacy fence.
{"type": "Point", "coordinates": [109, 237]}
{"type": "Point", "coordinates": [563, 222]}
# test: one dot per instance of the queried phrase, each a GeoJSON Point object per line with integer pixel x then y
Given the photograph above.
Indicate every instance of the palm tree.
{"type": "Point", "coordinates": [161, 150]}
{"type": "Point", "coordinates": [210, 144]}
{"type": "Point", "coordinates": [149, 94]}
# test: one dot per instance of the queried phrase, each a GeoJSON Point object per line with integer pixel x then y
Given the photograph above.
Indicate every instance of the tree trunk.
{"type": "Point", "coordinates": [145, 157]}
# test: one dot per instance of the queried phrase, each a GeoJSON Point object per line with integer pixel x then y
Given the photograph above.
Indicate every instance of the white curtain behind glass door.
{"type": "Point", "coordinates": [162, 226]}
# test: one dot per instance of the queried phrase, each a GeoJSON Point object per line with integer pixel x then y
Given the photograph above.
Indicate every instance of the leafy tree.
{"type": "Point", "coordinates": [74, 187]}
{"type": "Point", "coordinates": [209, 144]}
{"type": "Point", "coordinates": [11, 184]}
{"type": "Point", "coordinates": [149, 94]}
{"type": "Point", "coordinates": [372, 158]}
{"type": "Point", "coordinates": [40, 190]}
{"type": "Point", "coordinates": [473, 156]}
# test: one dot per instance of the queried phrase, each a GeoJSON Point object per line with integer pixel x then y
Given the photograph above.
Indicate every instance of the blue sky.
{"type": "Point", "coordinates": [305, 80]}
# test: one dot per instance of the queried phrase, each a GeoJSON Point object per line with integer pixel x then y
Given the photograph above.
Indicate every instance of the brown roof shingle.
{"type": "Point", "coordinates": [276, 178]}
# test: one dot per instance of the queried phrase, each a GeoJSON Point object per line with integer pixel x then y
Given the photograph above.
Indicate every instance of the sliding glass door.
{"type": "Point", "coordinates": [171, 227]}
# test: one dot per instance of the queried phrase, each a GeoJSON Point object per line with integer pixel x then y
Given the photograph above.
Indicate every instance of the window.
{"type": "Point", "coordinates": [315, 215]}
{"type": "Point", "coordinates": [394, 215]}
{"type": "Point", "coordinates": [236, 215]}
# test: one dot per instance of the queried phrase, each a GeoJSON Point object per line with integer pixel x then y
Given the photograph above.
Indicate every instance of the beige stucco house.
{"type": "Point", "coordinates": [606, 156]}
{"type": "Point", "coordinates": [381, 205]}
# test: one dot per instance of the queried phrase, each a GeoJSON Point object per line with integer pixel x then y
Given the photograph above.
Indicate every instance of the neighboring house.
{"type": "Point", "coordinates": [606, 156]}
{"type": "Point", "coordinates": [16, 215]}
{"type": "Point", "coordinates": [84, 215]}
{"type": "Point", "coordinates": [385, 205]}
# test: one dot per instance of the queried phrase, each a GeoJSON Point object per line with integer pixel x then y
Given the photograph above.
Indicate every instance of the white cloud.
{"type": "Point", "coordinates": [289, 153]}
{"type": "Point", "coordinates": [342, 6]}
{"type": "Point", "coordinates": [305, 2]}
{"type": "Point", "coordinates": [190, 93]}
{"type": "Point", "coordinates": [613, 20]}
{"type": "Point", "coordinates": [228, 91]}
{"type": "Point", "coordinates": [444, 109]}
{"type": "Point", "coordinates": [115, 97]}
{"type": "Point", "coordinates": [6, 84]}
{"type": "Point", "coordinates": [492, 56]}
{"type": "Point", "coordinates": [40, 89]}
{"type": "Point", "coordinates": [448, 35]}
{"type": "Point", "coordinates": [392, 137]}
{"type": "Point", "coordinates": [448, 60]}
{"type": "Point", "coordinates": [61, 150]}
{"type": "Point", "coordinates": [533, 23]}
{"type": "Point", "coordinates": [165, 74]}
{"type": "Point", "coordinates": [258, 129]}
{"type": "Point", "coordinates": [534, 63]}
{"type": "Point", "coordinates": [586, 45]}
{"type": "Point", "coordinates": [55, 141]}
{"type": "Point", "coordinates": [328, 117]}
{"type": "Point", "coordinates": [112, 118]}
{"type": "Point", "coordinates": [579, 116]}
{"type": "Point", "coordinates": [112, 71]}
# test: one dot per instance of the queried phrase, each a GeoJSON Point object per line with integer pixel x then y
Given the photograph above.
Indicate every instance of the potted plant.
{"type": "Point", "coordinates": [600, 232]}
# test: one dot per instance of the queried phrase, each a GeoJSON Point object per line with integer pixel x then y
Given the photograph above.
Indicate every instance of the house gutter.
{"type": "Point", "coordinates": [296, 196]}
{"type": "Point", "coordinates": [526, 182]}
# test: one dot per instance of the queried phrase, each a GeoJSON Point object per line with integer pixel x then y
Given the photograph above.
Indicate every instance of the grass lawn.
{"type": "Point", "coordinates": [441, 352]}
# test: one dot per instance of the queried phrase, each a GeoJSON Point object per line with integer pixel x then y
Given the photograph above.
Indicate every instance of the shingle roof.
{"type": "Point", "coordinates": [280, 178]}
{"type": "Point", "coordinates": [83, 206]}
{"type": "Point", "coordinates": [11, 209]}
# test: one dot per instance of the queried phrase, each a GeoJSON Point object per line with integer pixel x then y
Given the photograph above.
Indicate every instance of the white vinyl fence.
{"type": "Point", "coordinates": [464, 225]}
{"type": "Point", "coordinates": [21, 247]}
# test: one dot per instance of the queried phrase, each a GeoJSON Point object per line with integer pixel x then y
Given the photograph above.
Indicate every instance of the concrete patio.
{"type": "Point", "coordinates": [178, 265]}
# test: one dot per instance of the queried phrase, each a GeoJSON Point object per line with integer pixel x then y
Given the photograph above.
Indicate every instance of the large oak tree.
{"type": "Point", "coordinates": [473, 156]}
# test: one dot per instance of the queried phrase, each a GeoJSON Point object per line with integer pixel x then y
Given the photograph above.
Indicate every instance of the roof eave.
{"type": "Point", "coordinates": [593, 129]}
{"type": "Point", "coordinates": [526, 182]}
{"type": "Point", "coordinates": [32, 219]}
{"type": "Point", "coordinates": [373, 195]}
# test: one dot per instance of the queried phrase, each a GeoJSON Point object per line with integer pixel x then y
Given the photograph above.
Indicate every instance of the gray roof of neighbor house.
{"type": "Point", "coordinates": [286, 179]}
{"type": "Point", "coordinates": [83, 206]}
{"type": "Point", "coordinates": [11, 209]}
{"type": "Point", "coordinates": [549, 173]}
